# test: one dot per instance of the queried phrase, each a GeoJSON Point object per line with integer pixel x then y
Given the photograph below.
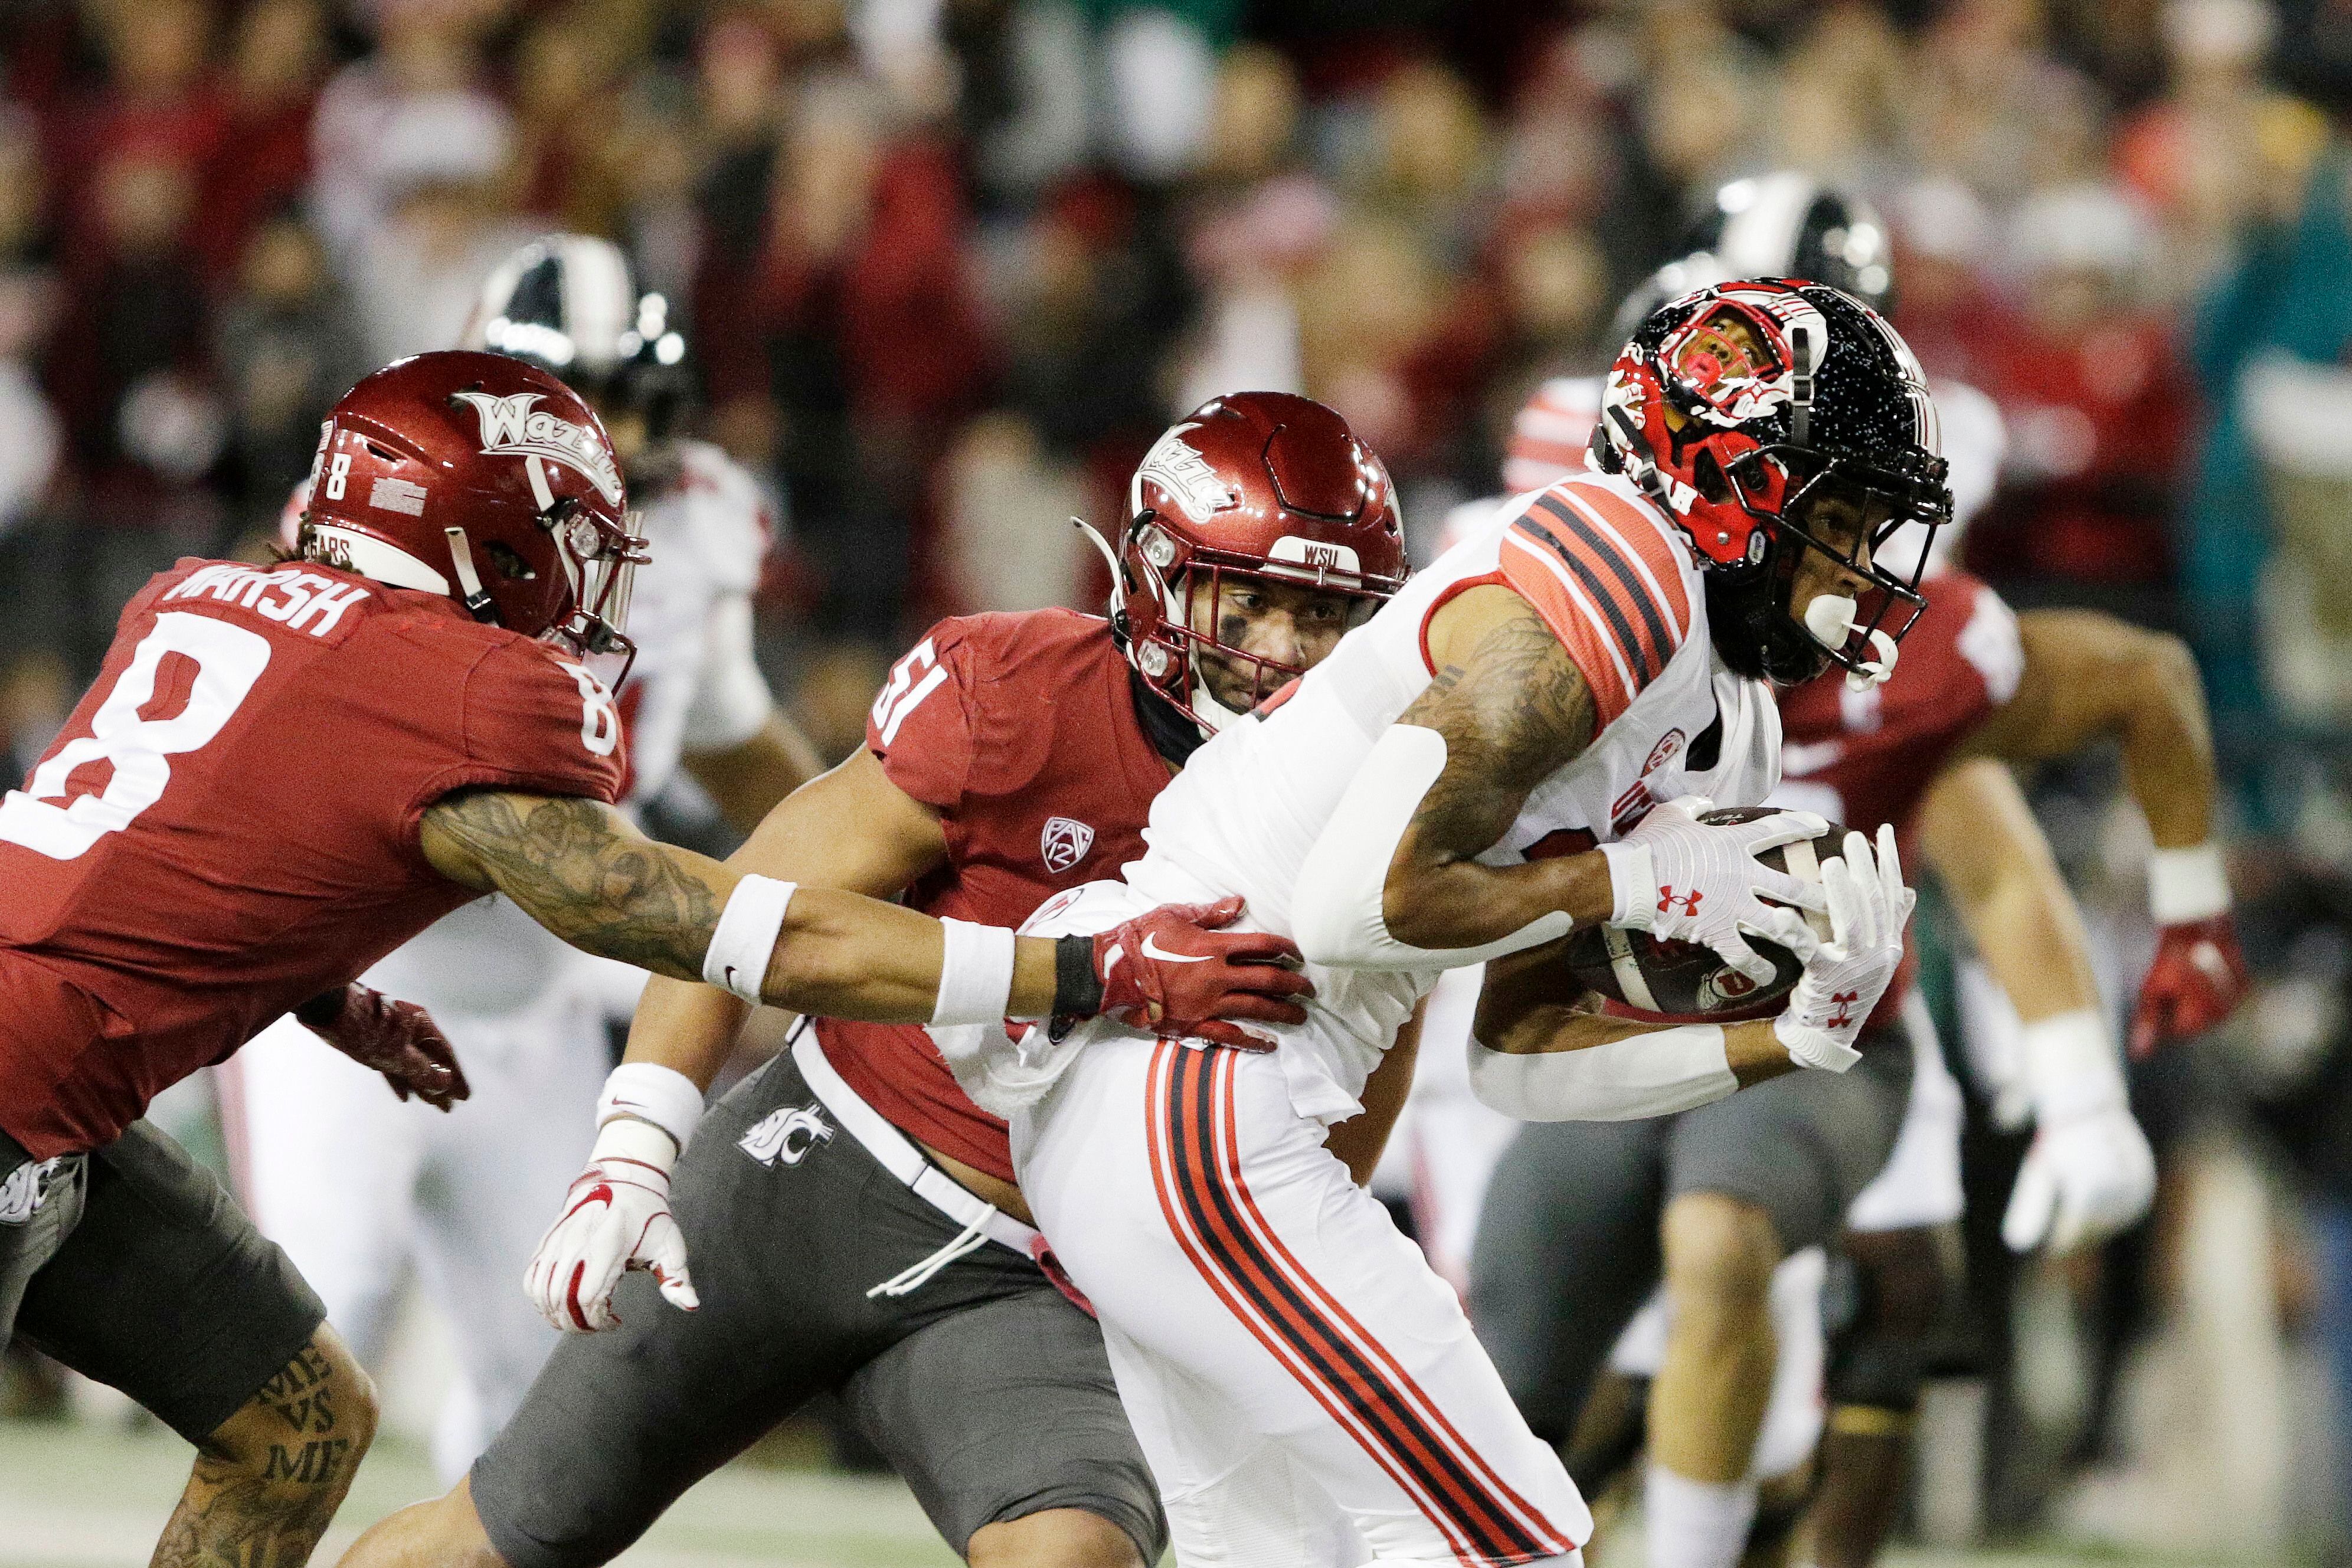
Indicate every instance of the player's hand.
{"type": "Point", "coordinates": [617, 1217]}
{"type": "Point", "coordinates": [2198, 979]}
{"type": "Point", "coordinates": [1844, 976]}
{"type": "Point", "coordinates": [1684, 881]}
{"type": "Point", "coordinates": [397, 1039]}
{"type": "Point", "coordinates": [2085, 1178]}
{"type": "Point", "coordinates": [1175, 971]}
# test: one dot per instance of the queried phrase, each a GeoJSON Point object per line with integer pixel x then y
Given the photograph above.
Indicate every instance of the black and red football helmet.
{"type": "Point", "coordinates": [1257, 485]}
{"type": "Point", "coordinates": [1737, 406]}
{"type": "Point", "coordinates": [485, 479]}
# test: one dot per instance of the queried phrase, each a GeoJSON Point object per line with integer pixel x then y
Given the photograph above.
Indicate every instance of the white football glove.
{"type": "Point", "coordinates": [616, 1217]}
{"type": "Point", "coordinates": [1844, 976]}
{"type": "Point", "coordinates": [1684, 881]}
{"type": "Point", "coordinates": [2090, 1172]}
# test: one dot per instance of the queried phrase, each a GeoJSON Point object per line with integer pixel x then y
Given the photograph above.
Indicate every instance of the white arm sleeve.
{"type": "Point", "coordinates": [731, 701]}
{"type": "Point", "coordinates": [1336, 913]}
{"type": "Point", "coordinates": [1653, 1074]}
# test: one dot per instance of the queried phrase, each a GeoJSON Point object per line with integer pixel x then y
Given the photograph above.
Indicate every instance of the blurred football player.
{"type": "Point", "coordinates": [1740, 1186]}
{"type": "Point", "coordinates": [284, 772]}
{"type": "Point", "coordinates": [357, 1187]}
{"type": "Point", "coordinates": [1010, 758]}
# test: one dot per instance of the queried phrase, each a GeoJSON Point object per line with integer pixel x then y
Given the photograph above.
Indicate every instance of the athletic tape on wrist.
{"type": "Point", "coordinates": [651, 1092]}
{"type": "Point", "coordinates": [737, 960]}
{"type": "Point", "coordinates": [2186, 885]}
{"type": "Point", "coordinates": [1813, 1048]}
{"type": "Point", "coordinates": [1653, 1074]}
{"type": "Point", "coordinates": [975, 974]}
{"type": "Point", "coordinates": [2071, 1069]}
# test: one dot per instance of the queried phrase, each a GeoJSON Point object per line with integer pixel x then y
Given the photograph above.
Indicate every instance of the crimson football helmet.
{"type": "Point", "coordinates": [1255, 485]}
{"type": "Point", "coordinates": [484, 478]}
{"type": "Point", "coordinates": [1736, 408]}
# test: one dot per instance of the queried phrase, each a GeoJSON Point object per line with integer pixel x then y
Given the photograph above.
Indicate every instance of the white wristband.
{"type": "Point", "coordinates": [1633, 885]}
{"type": "Point", "coordinates": [651, 1092]}
{"type": "Point", "coordinates": [626, 1138]}
{"type": "Point", "coordinates": [2186, 885]}
{"type": "Point", "coordinates": [1814, 1048]}
{"type": "Point", "coordinates": [2069, 1067]}
{"type": "Point", "coordinates": [745, 940]}
{"type": "Point", "coordinates": [975, 974]}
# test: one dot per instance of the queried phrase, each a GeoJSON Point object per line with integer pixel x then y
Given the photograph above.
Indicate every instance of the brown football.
{"type": "Point", "coordinates": [1640, 977]}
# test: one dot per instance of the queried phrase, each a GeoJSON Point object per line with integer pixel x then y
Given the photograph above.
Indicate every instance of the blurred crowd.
{"type": "Point", "coordinates": [947, 265]}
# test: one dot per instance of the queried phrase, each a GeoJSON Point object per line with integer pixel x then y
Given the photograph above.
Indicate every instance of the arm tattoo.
{"type": "Point", "coordinates": [1514, 711]}
{"type": "Point", "coordinates": [578, 868]}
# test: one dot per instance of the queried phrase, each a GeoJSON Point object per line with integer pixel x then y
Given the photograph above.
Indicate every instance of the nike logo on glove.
{"type": "Point", "coordinates": [1152, 949]}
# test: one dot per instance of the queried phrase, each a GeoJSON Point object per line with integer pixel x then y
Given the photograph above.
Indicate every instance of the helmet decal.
{"type": "Point", "coordinates": [1180, 470]}
{"type": "Point", "coordinates": [512, 427]}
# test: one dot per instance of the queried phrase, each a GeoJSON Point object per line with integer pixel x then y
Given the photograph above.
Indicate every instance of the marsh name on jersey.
{"type": "Point", "coordinates": [228, 823]}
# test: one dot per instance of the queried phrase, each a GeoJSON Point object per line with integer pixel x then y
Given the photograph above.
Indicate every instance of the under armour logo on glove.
{"type": "Point", "coordinates": [1843, 1002]}
{"type": "Point", "coordinates": [1688, 902]}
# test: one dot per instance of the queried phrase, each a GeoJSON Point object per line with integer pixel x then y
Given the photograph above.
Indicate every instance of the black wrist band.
{"type": "Point", "coordinates": [323, 1009]}
{"type": "Point", "coordinates": [1077, 989]}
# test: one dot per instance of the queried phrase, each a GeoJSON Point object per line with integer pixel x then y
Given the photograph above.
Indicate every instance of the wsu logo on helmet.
{"type": "Point", "coordinates": [511, 427]}
{"type": "Point", "coordinates": [1177, 468]}
{"type": "Point", "coordinates": [1065, 842]}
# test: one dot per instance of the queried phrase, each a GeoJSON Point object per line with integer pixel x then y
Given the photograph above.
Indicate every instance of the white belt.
{"type": "Point", "coordinates": [896, 1153]}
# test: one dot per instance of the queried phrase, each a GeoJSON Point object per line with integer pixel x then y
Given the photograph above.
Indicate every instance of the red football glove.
{"type": "Point", "coordinates": [2198, 979]}
{"type": "Point", "coordinates": [1171, 971]}
{"type": "Point", "coordinates": [399, 1039]}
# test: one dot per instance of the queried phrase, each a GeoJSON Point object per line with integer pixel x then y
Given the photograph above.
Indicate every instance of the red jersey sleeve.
{"type": "Point", "coordinates": [920, 726]}
{"type": "Point", "coordinates": [1606, 582]}
{"type": "Point", "coordinates": [538, 720]}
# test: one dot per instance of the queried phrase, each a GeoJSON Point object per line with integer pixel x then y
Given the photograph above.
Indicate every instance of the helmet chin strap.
{"type": "Point", "coordinates": [476, 601]}
{"type": "Point", "coordinates": [1206, 707]}
{"type": "Point", "coordinates": [1830, 618]}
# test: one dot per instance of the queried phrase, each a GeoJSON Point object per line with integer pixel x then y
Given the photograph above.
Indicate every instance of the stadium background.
{"type": "Point", "coordinates": [949, 265]}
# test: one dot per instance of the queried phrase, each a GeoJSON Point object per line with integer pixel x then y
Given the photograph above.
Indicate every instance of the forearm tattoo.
{"type": "Point", "coordinates": [576, 867]}
{"type": "Point", "coordinates": [1512, 713]}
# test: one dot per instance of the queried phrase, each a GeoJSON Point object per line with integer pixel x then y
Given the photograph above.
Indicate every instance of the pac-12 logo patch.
{"type": "Point", "coordinates": [1065, 842]}
{"type": "Point", "coordinates": [25, 1188]}
{"type": "Point", "coordinates": [787, 1134]}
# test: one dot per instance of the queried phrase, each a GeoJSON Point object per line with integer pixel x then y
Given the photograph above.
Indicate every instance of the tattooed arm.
{"type": "Point", "coordinates": [583, 870]}
{"type": "Point", "coordinates": [1511, 709]}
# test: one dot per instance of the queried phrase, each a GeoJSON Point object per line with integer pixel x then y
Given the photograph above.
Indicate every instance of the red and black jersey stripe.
{"type": "Point", "coordinates": [1215, 1217]}
{"type": "Point", "coordinates": [1605, 580]}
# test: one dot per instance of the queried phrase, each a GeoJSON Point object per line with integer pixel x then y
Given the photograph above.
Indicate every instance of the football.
{"type": "Point", "coordinates": [1636, 975]}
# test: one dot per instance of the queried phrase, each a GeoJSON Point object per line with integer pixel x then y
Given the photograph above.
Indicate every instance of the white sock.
{"type": "Point", "coordinates": [1696, 1524]}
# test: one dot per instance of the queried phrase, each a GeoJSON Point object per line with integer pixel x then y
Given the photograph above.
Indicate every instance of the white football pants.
{"type": "Point", "coordinates": [358, 1186]}
{"type": "Point", "coordinates": [1307, 1389]}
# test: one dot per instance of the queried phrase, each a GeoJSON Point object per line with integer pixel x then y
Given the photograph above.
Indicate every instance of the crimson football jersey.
{"type": "Point", "coordinates": [1863, 757]}
{"type": "Point", "coordinates": [227, 825]}
{"type": "Point", "coordinates": [1021, 731]}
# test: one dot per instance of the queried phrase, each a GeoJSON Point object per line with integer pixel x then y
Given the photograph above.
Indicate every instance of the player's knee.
{"type": "Point", "coordinates": [446, 1533]}
{"type": "Point", "coordinates": [1055, 1538]}
{"type": "Point", "coordinates": [1720, 1252]}
{"type": "Point", "coordinates": [307, 1425]}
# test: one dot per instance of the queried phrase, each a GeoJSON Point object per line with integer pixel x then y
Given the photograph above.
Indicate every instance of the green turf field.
{"type": "Point", "coordinates": [85, 1496]}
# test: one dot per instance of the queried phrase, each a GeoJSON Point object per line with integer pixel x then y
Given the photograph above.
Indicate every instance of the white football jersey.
{"type": "Point", "coordinates": [1617, 584]}
{"type": "Point", "coordinates": [694, 687]}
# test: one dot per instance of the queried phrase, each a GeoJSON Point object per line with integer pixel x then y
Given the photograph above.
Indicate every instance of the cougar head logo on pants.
{"type": "Point", "coordinates": [25, 1188]}
{"type": "Point", "coordinates": [787, 1135]}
